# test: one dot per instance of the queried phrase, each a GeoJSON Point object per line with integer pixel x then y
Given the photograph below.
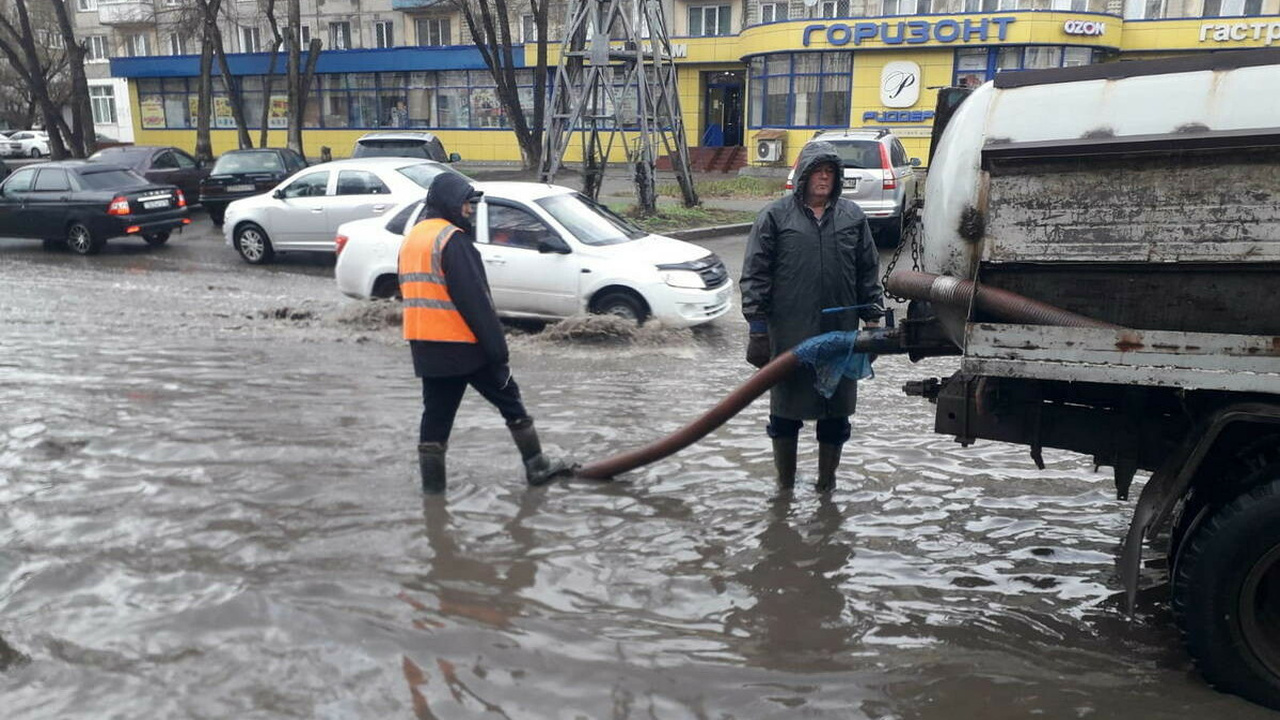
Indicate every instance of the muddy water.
{"type": "Point", "coordinates": [208, 510]}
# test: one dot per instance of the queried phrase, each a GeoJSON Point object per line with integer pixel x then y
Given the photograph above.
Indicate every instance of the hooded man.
{"type": "Point", "coordinates": [454, 333]}
{"type": "Point", "coordinates": [808, 252]}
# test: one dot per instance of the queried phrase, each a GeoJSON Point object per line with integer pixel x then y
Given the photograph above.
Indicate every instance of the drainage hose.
{"type": "Point", "coordinates": [1002, 304]}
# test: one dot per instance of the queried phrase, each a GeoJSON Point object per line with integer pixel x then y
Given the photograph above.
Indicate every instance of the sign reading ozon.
{"type": "Point", "coordinates": [912, 32]}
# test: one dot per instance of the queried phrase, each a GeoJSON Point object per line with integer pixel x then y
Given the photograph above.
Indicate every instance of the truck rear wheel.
{"type": "Point", "coordinates": [1227, 593]}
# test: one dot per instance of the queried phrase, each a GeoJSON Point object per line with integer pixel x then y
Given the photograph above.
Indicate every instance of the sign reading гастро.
{"type": "Point", "coordinates": [1226, 32]}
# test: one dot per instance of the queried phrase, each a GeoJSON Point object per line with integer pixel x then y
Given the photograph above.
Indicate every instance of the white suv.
{"type": "Point", "coordinates": [878, 176]}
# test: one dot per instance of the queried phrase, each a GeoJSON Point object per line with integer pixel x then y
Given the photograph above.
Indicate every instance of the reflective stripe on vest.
{"type": "Point", "coordinates": [429, 312]}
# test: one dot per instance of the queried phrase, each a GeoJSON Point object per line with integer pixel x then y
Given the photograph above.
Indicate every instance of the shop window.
{"type": "Point", "coordinates": [1076, 56]}
{"type": "Point", "coordinates": [709, 20]}
{"type": "Point", "coordinates": [833, 8]}
{"type": "Point", "coordinates": [971, 67]}
{"type": "Point", "coordinates": [1231, 8]}
{"type": "Point", "coordinates": [384, 34]}
{"type": "Point", "coordinates": [809, 90]}
{"type": "Point", "coordinates": [433, 32]}
{"type": "Point", "coordinates": [102, 103]}
{"type": "Point", "coordinates": [773, 12]}
{"type": "Point", "coordinates": [340, 36]}
{"type": "Point", "coordinates": [1143, 9]}
{"type": "Point", "coordinates": [977, 65]}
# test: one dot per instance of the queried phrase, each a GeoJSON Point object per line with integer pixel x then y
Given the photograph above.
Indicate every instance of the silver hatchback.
{"type": "Point", "coordinates": [878, 176]}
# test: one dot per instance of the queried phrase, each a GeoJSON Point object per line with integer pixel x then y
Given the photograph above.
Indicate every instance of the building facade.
{"type": "Point", "coordinates": [748, 69]}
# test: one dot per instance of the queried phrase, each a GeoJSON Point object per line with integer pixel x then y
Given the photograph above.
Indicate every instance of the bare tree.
{"type": "Point", "coordinates": [204, 97]}
{"type": "Point", "coordinates": [490, 24]}
{"type": "Point", "coordinates": [83, 139]}
{"type": "Point", "coordinates": [32, 63]}
{"type": "Point", "coordinates": [299, 78]}
{"type": "Point", "coordinates": [277, 41]}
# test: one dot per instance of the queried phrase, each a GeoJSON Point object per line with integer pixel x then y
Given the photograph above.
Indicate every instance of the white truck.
{"type": "Point", "coordinates": [1140, 202]}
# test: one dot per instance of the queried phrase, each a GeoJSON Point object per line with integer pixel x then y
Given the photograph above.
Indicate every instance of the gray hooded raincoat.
{"type": "Point", "coordinates": [796, 266]}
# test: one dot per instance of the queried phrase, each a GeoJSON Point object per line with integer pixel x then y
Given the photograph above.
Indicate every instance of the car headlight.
{"type": "Point", "coordinates": [683, 279]}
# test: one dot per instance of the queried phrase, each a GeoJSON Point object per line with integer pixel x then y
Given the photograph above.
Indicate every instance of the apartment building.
{"type": "Point", "coordinates": [747, 69]}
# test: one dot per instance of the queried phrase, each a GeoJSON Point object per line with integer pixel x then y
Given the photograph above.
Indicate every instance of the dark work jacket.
{"type": "Point", "coordinates": [794, 267]}
{"type": "Point", "coordinates": [469, 288]}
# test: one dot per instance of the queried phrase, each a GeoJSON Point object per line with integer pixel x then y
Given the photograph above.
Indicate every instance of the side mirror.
{"type": "Point", "coordinates": [455, 157]}
{"type": "Point", "coordinates": [915, 162]}
{"type": "Point", "coordinates": [553, 246]}
{"type": "Point", "coordinates": [277, 194]}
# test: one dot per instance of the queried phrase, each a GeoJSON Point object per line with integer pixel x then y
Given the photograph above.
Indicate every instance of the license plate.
{"type": "Point", "coordinates": [239, 188]}
{"type": "Point", "coordinates": [151, 204]}
{"type": "Point", "coordinates": [851, 184]}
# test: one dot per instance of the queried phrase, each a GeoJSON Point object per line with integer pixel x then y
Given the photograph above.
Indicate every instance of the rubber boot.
{"type": "Point", "coordinates": [431, 467]}
{"type": "Point", "coordinates": [784, 460]}
{"type": "Point", "coordinates": [828, 461]}
{"type": "Point", "coordinates": [539, 469]}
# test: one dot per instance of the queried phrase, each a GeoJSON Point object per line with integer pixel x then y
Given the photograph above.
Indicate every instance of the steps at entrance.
{"type": "Point", "coordinates": [711, 159]}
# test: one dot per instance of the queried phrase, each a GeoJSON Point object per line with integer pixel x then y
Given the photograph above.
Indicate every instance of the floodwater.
{"type": "Point", "coordinates": [208, 509]}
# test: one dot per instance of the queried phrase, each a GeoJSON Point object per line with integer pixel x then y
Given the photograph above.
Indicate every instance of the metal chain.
{"type": "Point", "coordinates": [913, 235]}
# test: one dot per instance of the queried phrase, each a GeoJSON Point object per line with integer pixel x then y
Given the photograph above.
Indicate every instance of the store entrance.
{"type": "Point", "coordinates": [722, 109]}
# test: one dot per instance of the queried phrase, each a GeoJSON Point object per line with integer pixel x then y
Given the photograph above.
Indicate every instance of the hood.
{"type": "Point", "coordinates": [811, 155]}
{"type": "Point", "coordinates": [650, 250]}
{"type": "Point", "coordinates": [447, 194]}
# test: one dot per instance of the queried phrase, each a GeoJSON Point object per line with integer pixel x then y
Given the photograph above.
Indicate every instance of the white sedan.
{"type": "Point", "coordinates": [26, 143]}
{"type": "Point", "coordinates": [552, 253]}
{"type": "Point", "coordinates": [304, 211]}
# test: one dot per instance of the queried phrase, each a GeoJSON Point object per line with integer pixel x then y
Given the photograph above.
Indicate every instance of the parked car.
{"type": "Point", "coordinates": [878, 176]}
{"type": "Point", "coordinates": [83, 204]}
{"type": "Point", "coordinates": [27, 143]}
{"type": "Point", "coordinates": [551, 253]}
{"type": "Point", "coordinates": [404, 143]}
{"type": "Point", "coordinates": [304, 211]}
{"type": "Point", "coordinates": [164, 165]}
{"type": "Point", "coordinates": [245, 173]}
{"type": "Point", "coordinates": [4, 170]}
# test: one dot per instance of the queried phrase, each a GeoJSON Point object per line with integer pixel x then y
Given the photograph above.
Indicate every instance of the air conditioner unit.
{"type": "Point", "coordinates": [769, 150]}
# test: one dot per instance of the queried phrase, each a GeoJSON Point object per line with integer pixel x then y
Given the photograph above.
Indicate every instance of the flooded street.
{"type": "Point", "coordinates": [209, 508]}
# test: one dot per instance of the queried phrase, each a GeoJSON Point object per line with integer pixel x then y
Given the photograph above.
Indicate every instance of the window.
{"type": "Point", "coordinates": [177, 44]}
{"type": "Point", "coordinates": [528, 29]}
{"type": "Point", "coordinates": [185, 161]}
{"type": "Point", "coordinates": [801, 90]}
{"type": "Point", "coordinates": [165, 161]}
{"type": "Point", "coordinates": [97, 48]}
{"type": "Point", "coordinates": [971, 6]}
{"type": "Point", "coordinates": [1232, 8]}
{"type": "Point", "coordinates": [899, 7]}
{"type": "Point", "coordinates": [383, 34]}
{"type": "Point", "coordinates": [102, 103]}
{"type": "Point", "coordinates": [834, 8]}
{"type": "Point", "coordinates": [1143, 9]}
{"type": "Point", "coordinates": [433, 31]}
{"type": "Point", "coordinates": [360, 182]}
{"type": "Point", "coordinates": [309, 185]}
{"type": "Point", "coordinates": [709, 20]}
{"type": "Point", "coordinates": [305, 36]}
{"type": "Point", "coordinates": [20, 180]}
{"type": "Point", "coordinates": [52, 180]}
{"type": "Point", "coordinates": [340, 35]}
{"type": "Point", "coordinates": [1071, 5]}
{"type": "Point", "coordinates": [250, 40]}
{"type": "Point", "coordinates": [971, 67]}
{"type": "Point", "coordinates": [773, 12]}
{"type": "Point", "coordinates": [975, 66]}
{"type": "Point", "coordinates": [86, 5]}
{"type": "Point", "coordinates": [136, 45]}
{"type": "Point", "coordinates": [517, 228]}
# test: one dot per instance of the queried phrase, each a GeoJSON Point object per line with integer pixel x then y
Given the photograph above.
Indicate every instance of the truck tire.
{"type": "Point", "coordinates": [1227, 593]}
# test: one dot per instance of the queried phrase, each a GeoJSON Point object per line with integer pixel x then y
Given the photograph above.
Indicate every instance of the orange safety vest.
{"type": "Point", "coordinates": [429, 312]}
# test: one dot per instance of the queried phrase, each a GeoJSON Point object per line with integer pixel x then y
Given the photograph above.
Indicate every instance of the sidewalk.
{"type": "Point", "coordinates": [619, 185]}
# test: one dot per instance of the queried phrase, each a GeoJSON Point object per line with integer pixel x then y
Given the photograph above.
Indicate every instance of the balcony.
{"type": "Point", "coordinates": [128, 12]}
{"type": "Point", "coordinates": [411, 5]}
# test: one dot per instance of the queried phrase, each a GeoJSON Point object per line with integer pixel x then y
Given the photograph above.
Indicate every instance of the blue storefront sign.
{"type": "Point", "coordinates": [913, 32]}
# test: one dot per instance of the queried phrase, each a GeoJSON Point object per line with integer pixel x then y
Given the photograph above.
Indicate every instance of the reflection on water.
{"type": "Point", "coordinates": [217, 516]}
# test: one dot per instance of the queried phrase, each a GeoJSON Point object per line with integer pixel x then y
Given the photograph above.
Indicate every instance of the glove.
{"type": "Point", "coordinates": [758, 354]}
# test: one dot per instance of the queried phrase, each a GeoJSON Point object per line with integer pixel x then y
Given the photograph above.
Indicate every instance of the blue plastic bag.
{"type": "Point", "coordinates": [832, 358]}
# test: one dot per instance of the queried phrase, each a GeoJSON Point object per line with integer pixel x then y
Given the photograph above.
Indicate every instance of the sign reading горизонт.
{"type": "Point", "coordinates": [911, 32]}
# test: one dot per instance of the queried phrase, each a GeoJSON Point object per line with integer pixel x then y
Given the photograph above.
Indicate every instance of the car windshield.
{"type": "Point", "coordinates": [248, 163]}
{"type": "Point", "coordinates": [590, 222]}
{"type": "Point", "coordinates": [424, 173]}
{"type": "Point", "coordinates": [392, 148]}
{"type": "Point", "coordinates": [111, 179]}
{"type": "Point", "coordinates": [861, 154]}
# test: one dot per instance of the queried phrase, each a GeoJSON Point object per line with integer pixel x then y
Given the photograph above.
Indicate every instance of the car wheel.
{"type": "Point", "coordinates": [82, 241]}
{"type": "Point", "coordinates": [35, 152]}
{"type": "Point", "coordinates": [623, 304]}
{"type": "Point", "coordinates": [156, 239]}
{"type": "Point", "coordinates": [253, 244]}
{"type": "Point", "coordinates": [216, 214]}
{"type": "Point", "coordinates": [387, 286]}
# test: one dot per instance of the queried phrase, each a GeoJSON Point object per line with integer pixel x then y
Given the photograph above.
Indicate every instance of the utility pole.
{"type": "Point", "coordinates": [623, 94]}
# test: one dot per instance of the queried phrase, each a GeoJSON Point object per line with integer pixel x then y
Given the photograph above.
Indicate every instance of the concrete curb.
{"type": "Point", "coordinates": [709, 232]}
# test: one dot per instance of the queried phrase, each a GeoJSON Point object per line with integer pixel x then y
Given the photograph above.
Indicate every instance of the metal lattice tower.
{"type": "Point", "coordinates": [617, 91]}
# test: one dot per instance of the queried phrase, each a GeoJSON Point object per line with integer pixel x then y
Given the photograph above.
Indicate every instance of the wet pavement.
{"type": "Point", "coordinates": [208, 509]}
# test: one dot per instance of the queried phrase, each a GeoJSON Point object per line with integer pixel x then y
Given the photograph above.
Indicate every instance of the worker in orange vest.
{"type": "Point", "coordinates": [454, 333]}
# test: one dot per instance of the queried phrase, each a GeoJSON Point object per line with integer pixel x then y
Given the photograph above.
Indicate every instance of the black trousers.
{"type": "Point", "coordinates": [830, 430]}
{"type": "Point", "coordinates": [441, 397]}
